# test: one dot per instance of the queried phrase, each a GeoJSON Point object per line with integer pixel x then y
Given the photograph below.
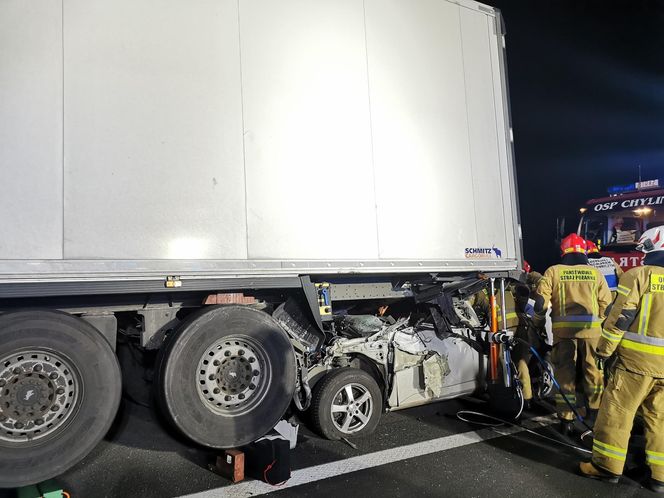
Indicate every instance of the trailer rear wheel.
{"type": "Point", "coordinates": [59, 392]}
{"type": "Point", "coordinates": [226, 376]}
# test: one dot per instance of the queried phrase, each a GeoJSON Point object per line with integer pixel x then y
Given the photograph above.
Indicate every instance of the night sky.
{"type": "Point", "coordinates": [587, 96]}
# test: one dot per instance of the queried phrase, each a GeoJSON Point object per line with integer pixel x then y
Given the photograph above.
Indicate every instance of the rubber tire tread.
{"type": "Point", "coordinates": [175, 389]}
{"type": "Point", "coordinates": [90, 353]}
{"type": "Point", "coordinates": [327, 387]}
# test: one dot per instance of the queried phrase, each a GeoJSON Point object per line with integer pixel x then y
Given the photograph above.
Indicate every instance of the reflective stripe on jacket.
{"type": "Point", "coordinates": [635, 325]}
{"type": "Point", "coordinates": [579, 296]}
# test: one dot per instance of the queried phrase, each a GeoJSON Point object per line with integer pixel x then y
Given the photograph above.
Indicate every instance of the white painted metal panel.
{"type": "Point", "coordinates": [420, 129]}
{"type": "Point", "coordinates": [153, 134]}
{"type": "Point", "coordinates": [310, 186]}
{"type": "Point", "coordinates": [493, 213]}
{"type": "Point", "coordinates": [30, 129]}
{"type": "Point", "coordinates": [504, 138]}
{"type": "Point", "coordinates": [161, 113]}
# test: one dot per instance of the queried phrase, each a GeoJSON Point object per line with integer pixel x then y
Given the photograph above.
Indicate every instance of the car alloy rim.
{"type": "Point", "coordinates": [546, 382]}
{"type": "Point", "coordinates": [351, 408]}
{"type": "Point", "coordinates": [39, 391]}
{"type": "Point", "coordinates": [233, 375]}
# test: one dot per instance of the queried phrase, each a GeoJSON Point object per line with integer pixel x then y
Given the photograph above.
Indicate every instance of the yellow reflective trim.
{"type": "Point", "coordinates": [610, 455]}
{"type": "Point", "coordinates": [643, 348]}
{"type": "Point", "coordinates": [623, 290]}
{"type": "Point", "coordinates": [654, 460]}
{"type": "Point", "coordinates": [610, 447]}
{"type": "Point", "coordinates": [645, 314]}
{"type": "Point", "coordinates": [655, 453]}
{"type": "Point", "coordinates": [576, 325]}
{"type": "Point", "coordinates": [611, 336]}
{"type": "Point", "coordinates": [595, 300]}
{"type": "Point", "coordinates": [509, 316]}
{"type": "Point", "coordinates": [645, 328]}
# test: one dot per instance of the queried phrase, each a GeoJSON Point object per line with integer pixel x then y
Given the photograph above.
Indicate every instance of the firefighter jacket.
{"type": "Point", "coordinates": [579, 296]}
{"type": "Point", "coordinates": [532, 281]}
{"type": "Point", "coordinates": [482, 303]}
{"type": "Point", "coordinates": [610, 269]}
{"type": "Point", "coordinates": [635, 325]}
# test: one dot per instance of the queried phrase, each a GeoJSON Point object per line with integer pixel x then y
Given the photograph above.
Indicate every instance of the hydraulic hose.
{"type": "Point", "coordinates": [497, 422]}
{"type": "Point", "coordinates": [504, 338]}
{"type": "Point", "coordinates": [555, 383]}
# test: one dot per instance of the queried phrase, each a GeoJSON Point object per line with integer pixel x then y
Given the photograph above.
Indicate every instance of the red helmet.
{"type": "Point", "coordinates": [526, 266]}
{"type": "Point", "coordinates": [573, 243]}
{"type": "Point", "coordinates": [591, 247]}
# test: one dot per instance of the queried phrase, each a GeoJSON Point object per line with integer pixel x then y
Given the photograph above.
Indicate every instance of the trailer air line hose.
{"type": "Point", "coordinates": [496, 422]}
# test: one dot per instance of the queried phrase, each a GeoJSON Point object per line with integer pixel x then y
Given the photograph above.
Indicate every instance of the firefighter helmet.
{"type": "Point", "coordinates": [573, 243]}
{"type": "Point", "coordinates": [652, 240]}
{"type": "Point", "coordinates": [591, 247]}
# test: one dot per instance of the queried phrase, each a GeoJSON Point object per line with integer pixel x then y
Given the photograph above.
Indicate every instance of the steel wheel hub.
{"type": "Point", "coordinates": [38, 391]}
{"type": "Point", "coordinates": [352, 407]}
{"type": "Point", "coordinates": [232, 375]}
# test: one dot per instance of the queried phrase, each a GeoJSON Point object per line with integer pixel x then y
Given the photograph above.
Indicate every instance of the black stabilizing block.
{"type": "Point", "coordinates": [268, 460]}
{"type": "Point", "coordinates": [504, 401]}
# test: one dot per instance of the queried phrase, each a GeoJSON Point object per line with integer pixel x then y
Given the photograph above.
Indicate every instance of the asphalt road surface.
{"type": "Point", "coordinates": [423, 451]}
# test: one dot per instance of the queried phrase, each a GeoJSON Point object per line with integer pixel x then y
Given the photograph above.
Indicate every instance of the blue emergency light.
{"type": "Point", "coordinates": [621, 189]}
{"type": "Point", "coordinates": [635, 187]}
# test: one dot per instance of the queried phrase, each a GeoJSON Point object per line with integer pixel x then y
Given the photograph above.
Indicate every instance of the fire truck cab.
{"type": "Point", "coordinates": [615, 223]}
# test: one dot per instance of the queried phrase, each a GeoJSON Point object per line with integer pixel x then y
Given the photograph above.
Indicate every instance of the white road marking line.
{"type": "Point", "coordinates": [370, 460]}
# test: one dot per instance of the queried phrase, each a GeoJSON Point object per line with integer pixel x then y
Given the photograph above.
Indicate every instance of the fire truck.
{"type": "Point", "coordinates": [616, 222]}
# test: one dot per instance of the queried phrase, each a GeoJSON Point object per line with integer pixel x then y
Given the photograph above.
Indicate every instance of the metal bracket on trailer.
{"type": "Point", "coordinates": [311, 294]}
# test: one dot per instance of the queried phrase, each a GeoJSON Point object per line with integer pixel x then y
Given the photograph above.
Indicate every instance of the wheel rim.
{"type": "Point", "coordinates": [352, 407]}
{"type": "Point", "coordinates": [39, 391]}
{"type": "Point", "coordinates": [233, 375]}
{"type": "Point", "coordinates": [546, 382]}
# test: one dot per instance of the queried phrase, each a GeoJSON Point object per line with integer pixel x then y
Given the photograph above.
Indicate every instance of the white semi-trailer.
{"type": "Point", "coordinates": [281, 197]}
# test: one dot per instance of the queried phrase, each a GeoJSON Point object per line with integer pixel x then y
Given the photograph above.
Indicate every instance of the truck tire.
{"type": "Point", "coordinates": [346, 403]}
{"type": "Point", "coordinates": [226, 376]}
{"type": "Point", "coordinates": [60, 389]}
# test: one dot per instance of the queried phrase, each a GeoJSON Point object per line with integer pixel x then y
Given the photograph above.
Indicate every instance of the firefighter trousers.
{"type": "Point", "coordinates": [566, 352]}
{"type": "Point", "coordinates": [522, 355]}
{"type": "Point", "coordinates": [625, 393]}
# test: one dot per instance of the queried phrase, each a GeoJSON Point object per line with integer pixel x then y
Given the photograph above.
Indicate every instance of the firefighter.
{"type": "Point", "coordinates": [525, 331]}
{"type": "Point", "coordinates": [634, 331]}
{"type": "Point", "coordinates": [481, 303]}
{"type": "Point", "coordinates": [607, 266]}
{"type": "Point", "coordinates": [578, 295]}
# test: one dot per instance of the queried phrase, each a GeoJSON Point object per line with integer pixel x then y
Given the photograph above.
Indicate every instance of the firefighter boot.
{"type": "Point", "coordinates": [566, 427]}
{"type": "Point", "coordinates": [656, 486]}
{"type": "Point", "coordinates": [587, 469]}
